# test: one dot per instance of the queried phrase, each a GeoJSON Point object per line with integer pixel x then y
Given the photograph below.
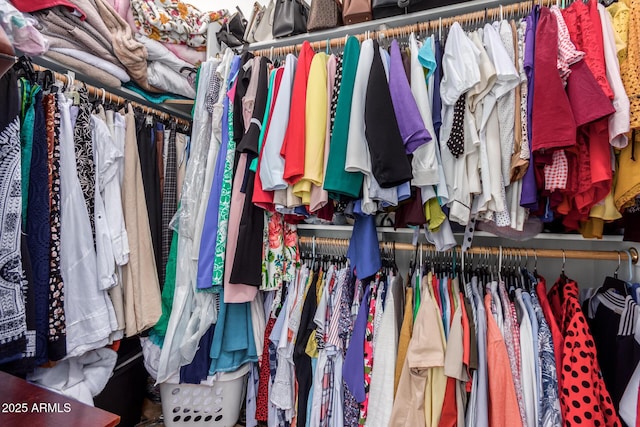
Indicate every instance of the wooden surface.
{"type": "Point", "coordinates": [23, 404]}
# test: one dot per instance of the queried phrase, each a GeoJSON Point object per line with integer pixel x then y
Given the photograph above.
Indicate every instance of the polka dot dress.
{"type": "Point", "coordinates": [584, 399]}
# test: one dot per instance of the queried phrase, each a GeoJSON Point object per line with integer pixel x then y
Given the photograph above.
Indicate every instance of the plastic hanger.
{"type": "Point", "coordinates": [613, 283]}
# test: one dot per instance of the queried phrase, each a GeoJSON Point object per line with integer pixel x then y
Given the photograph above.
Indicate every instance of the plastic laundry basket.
{"type": "Point", "coordinates": [216, 405]}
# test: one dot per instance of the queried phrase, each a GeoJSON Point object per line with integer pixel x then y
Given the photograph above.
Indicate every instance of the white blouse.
{"type": "Point", "coordinates": [88, 309]}
{"type": "Point", "coordinates": [424, 164]}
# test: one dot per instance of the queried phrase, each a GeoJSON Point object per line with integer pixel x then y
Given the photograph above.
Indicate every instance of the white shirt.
{"type": "Point", "coordinates": [104, 156]}
{"type": "Point", "coordinates": [88, 309]}
{"type": "Point", "coordinates": [528, 363]}
{"type": "Point", "coordinates": [620, 120]}
{"type": "Point", "coordinates": [384, 355]}
{"type": "Point", "coordinates": [461, 73]}
{"type": "Point", "coordinates": [507, 78]}
{"type": "Point", "coordinates": [424, 164]}
{"type": "Point", "coordinates": [358, 158]}
{"type": "Point", "coordinates": [272, 166]}
{"type": "Point", "coordinates": [112, 190]}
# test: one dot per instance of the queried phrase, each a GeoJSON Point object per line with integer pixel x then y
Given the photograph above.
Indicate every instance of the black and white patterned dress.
{"type": "Point", "coordinates": [84, 156]}
{"type": "Point", "coordinates": [57, 320]}
{"type": "Point", "coordinates": [13, 324]}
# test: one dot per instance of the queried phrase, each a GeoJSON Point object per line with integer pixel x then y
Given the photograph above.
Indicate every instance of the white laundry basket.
{"type": "Point", "coordinates": [205, 405]}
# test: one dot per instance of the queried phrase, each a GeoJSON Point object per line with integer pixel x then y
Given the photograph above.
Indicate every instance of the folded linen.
{"type": "Point", "coordinates": [186, 53]}
{"type": "Point", "coordinates": [163, 77]}
{"type": "Point", "coordinates": [90, 59]}
{"type": "Point", "coordinates": [54, 24]}
{"type": "Point", "coordinates": [123, 7]}
{"type": "Point", "coordinates": [129, 51]}
{"type": "Point", "coordinates": [158, 52]}
{"type": "Point", "coordinates": [101, 76]}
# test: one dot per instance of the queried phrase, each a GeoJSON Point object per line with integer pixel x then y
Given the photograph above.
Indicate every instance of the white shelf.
{"type": "Point", "coordinates": [381, 24]}
{"type": "Point", "coordinates": [342, 229]}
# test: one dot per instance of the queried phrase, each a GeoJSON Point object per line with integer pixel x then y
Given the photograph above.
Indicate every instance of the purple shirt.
{"type": "Point", "coordinates": [412, 129]}
{"type": "Point", "coordinates": [529, 194]}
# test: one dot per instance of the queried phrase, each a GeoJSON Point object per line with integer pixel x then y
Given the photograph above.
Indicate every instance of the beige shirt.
{"type": "Point", "coordinates": [425, 352]}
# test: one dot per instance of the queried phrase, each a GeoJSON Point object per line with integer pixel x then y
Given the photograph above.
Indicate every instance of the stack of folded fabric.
{"type": "Point", "coordinates": [163, 11]}
{"type": "Point", "coordinates": [122, 41]}
{"type": "Point", "coordinates": [165, 70]}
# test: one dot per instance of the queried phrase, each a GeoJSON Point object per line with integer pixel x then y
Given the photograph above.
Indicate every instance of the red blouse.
{"type": "Point", "coordinates": [584, 399]}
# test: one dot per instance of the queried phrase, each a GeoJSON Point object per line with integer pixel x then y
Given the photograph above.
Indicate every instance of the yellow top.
{"type": "Point", "coordinates": [315, 128]}
{"type": "Point", "coordinates": [619, 12]}
{"type": "Point", "coordinates": [629, 68]}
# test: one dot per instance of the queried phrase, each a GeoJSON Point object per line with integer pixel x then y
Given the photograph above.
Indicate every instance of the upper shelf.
{"type": "Point", "coordinates": [381, 24]}
{"type": "Point", "coordinates": [177, 109]}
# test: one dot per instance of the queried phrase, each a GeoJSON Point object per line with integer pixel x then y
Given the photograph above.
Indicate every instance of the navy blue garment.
{"type": "Point", "coordinates": [39, 231]}
{"type": "Point", "coordinates": [198, 369]}
{"type": "Point", "coordinates": [436, 110]}
{"type": "Point", "coordinates": [364, 249]}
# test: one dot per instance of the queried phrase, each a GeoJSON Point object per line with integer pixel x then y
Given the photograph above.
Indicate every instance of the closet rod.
{"type": "Point", "coordinates": [484, 250]}
{"type": "Point", "coordinates": [100, 93]}
{"type": "Point", "coordinates": [432, 26]}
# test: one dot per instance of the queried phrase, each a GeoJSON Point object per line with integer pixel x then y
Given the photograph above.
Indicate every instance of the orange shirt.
{"type": "Point", "coordinates": [503, 403]}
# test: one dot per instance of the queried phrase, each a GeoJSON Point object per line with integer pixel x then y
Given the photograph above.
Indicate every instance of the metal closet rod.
{"type": "Point", "coordinates": [492, 250]}
{"type": "Point", "coordinates": [100, 93]}
{"type": "Point", "coordinates": [431, 26]}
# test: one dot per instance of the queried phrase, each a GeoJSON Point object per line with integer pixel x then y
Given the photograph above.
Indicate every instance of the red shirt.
{"type": "Point", "coordinates": [552, 121]}
{"type": "Point", "coordinates": [294, 140]}
{"type": "Point", "coordinates": [556, 335]}
{"type": "Point", "coordinates": [589, 94]}
{"type": "Point", "coordinates": [585, 29]}
{"type": "Point", "coordinates": [584, 399]}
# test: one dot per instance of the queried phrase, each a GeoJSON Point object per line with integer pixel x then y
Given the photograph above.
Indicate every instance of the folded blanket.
{"type": "Point", "coordinates": [74, 20]}
{"type": "Point", "coordinates": [101, 76]}
{"type": "Point", "coordinates": [54, 24]}
{"type": "Point", "coordinates": [158, 52]}
{"type": "Point", "coordinates": [123, 7]}
{"type": "Point", "coordinates": [94, 18]}
{"type": "Point", "coordinates": [163, 77]}
{"type": "Point", "coordinates": [90, 59]}
{"type": "Point", "coordinates": [186, 53]}
{"type": "Point", "coordinates": [129, 51]}
{"type": "Point", "coordinates": [173, 21]}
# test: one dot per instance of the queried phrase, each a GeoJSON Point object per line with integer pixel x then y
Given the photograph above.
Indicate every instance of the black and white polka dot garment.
{"type": "Point", "coordinates": [456, 138]}
{"type": "Point", "coordinates": [336, 90]}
